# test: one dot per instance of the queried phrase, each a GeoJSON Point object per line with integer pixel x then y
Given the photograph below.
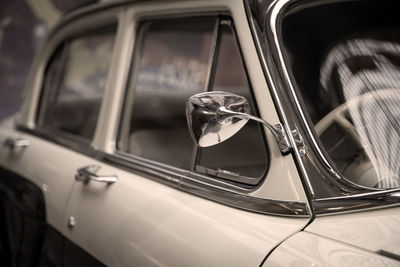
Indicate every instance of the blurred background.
{"type": "Point", "coordinates": [23, 26]}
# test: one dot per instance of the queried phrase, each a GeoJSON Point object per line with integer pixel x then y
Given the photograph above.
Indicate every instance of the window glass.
{"type": "Point", "coordinates": [172, 65]}
{"type": "Point", "coordinates": [173, 61]}
{"type": "Point", "coordinates": [74, 84]}
{"type": "Point", "coordinates": [244, 154]}
{"type": "Point", "coordinates": [345, 60]}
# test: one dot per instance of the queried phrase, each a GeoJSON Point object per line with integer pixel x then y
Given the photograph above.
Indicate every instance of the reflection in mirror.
{"type": "Point", "coordinates": [214, 117]}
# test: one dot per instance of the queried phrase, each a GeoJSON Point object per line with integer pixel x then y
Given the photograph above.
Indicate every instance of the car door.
{"type": "Point", "coordinates": [164, 201]}
{"type": "Point", "coordinates": [53, 138]}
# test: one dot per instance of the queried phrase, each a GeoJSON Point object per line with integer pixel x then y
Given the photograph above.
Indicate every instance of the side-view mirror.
{"type": "Point", "coordinates": [214, 117]}
{"type": "Point", "coordinates": [208, 124]}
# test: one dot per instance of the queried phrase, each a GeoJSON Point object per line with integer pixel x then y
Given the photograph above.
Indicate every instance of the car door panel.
{"type": "Point", "coordinates": [49, 166]}
{"type": "Point", "coordinates": [142, 222]}
{"type": "Point", "coordinates": [373, 230]}
{"type": "Point", "coordinates": [35, 185]}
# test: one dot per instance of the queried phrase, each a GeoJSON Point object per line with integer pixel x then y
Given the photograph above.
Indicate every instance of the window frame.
{"type": "Point", "coordinates": [70, 26]}
{"type": "Point", "coordinates": [225, 19]}
{"type": "Point", "coordinates": [213, 59]}
{"type": "Point", "coordinates": [43, 103]}
{"type": "Point", "coordinates": [318, 147]}
{"type": "Point", "coordinates": [329, 192]}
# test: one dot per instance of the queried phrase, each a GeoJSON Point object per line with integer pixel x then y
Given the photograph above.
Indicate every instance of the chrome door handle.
{"type": "Point", "coordinates": [89, 173]}
{"type": "Point", "coordinates": [12, 143]}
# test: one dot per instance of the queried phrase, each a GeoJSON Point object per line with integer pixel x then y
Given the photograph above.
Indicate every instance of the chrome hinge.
{"type": "Point", "coordinates": [284, 142]}
{"type": "Point", "coordinates": [299, 143]}
{"type": "Point", "coordinates": [281, 138]}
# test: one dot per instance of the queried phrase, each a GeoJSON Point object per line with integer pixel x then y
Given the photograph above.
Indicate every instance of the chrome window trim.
{"type": "Point", "coordinates": [153, 164]}
{"type": "Point", "coordinates": [345, 195]}
{"type": "Point", "coordinates": [361, 202]}
{"type": "Point", "coordinates": [201, 186]}
{"type": "Point", "coordinates": [79, 145]}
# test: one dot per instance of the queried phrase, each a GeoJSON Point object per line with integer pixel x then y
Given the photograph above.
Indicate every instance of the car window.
{"type": "Point", "coordinates": [74, 83]}
{"type": "Point", "coordinates": [349, 80]}
{"type": "Point", "coordinates": [171, 64]}
{"type": "Point", "coordinates": [175, 59]}
{"type": "Point", "coordinates": [244, 154]}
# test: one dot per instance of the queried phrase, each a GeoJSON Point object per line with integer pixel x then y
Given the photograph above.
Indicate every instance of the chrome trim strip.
{"type": "Point", "coordinates": [190, 182]}
{"type": "Point", "coordinates": [78, 145]}
{"type": "Point", "coordinates": [357, 202]}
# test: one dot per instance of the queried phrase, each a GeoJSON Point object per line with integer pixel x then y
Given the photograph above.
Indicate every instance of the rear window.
{"type": "Point", "coordinates": [74, 84]}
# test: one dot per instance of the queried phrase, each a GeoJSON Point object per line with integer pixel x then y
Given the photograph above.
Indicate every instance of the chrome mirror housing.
{"type": "Point", "coordinates": [208, 123]}
{"type": "Point", "coordinates": [214, 117]}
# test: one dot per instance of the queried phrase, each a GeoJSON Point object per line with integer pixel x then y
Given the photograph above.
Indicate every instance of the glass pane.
{"type": "Point", "coordinates": [349, 78]}
{"type": "Point", "coordinates": [74, 84]}
{"type": "Point", "coordinates": [244, 154]}
{"type": "Point", "coordinates": [172, 65]}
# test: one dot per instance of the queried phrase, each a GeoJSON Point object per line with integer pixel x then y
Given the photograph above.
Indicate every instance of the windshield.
{"type": "Point", "coordinates": [345, 60]}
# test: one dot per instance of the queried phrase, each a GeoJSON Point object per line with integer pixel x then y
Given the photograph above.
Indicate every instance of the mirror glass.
{"type": "Point", "coordinates": [208, 123]}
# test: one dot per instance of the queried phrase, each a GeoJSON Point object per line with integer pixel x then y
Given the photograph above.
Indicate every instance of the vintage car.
{"type": "Point", "coordinates": [208, 133]}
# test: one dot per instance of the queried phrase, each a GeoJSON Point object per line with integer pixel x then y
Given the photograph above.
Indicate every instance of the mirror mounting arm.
{"type": "Point", "coordinates": [277, 130]}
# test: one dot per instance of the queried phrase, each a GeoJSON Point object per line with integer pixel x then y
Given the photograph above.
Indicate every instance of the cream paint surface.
{"type": "Point", "coordinates": [372, 230]}
{"type": "Point", "coordinates": [305, 249]}
{"type": "Point", "coordinates": [142, 222]}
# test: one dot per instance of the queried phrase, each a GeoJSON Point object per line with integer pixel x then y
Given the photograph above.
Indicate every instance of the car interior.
{"type": "Point", "coordinates": [344, 58]}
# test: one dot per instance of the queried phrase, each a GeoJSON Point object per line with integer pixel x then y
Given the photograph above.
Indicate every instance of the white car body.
{"type": "Point", "coordinates": [154, 217]}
